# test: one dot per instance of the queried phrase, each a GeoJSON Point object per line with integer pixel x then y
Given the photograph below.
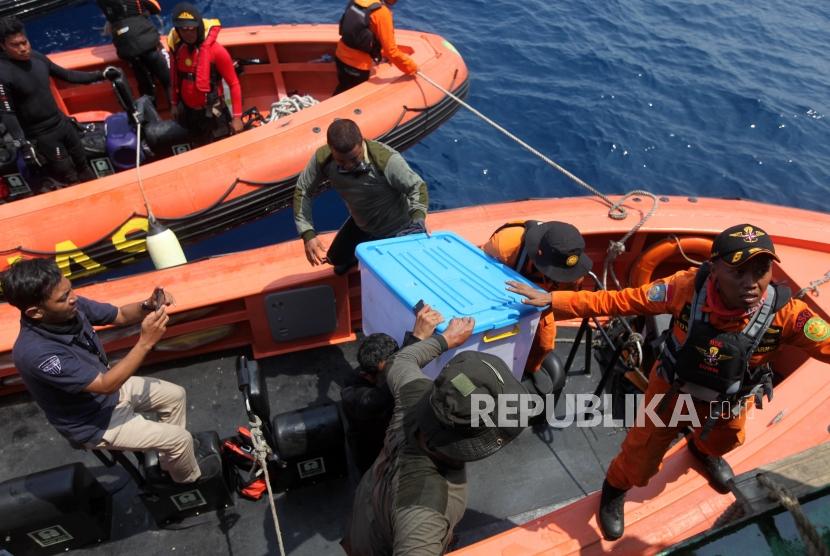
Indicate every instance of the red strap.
{"type": "Point", "coordinates": [255, 490]}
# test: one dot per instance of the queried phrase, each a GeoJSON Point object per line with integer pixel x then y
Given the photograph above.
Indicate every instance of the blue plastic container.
{"type": "Point", "coordinates": [456, 278]}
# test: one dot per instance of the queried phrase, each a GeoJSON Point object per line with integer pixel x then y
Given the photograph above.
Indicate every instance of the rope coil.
{"type": "Point", "coordinates": [290, 105]}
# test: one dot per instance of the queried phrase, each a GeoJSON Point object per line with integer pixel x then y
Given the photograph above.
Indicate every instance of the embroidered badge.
{"type": "Point", "coordinates": [816, 329]}
{"type": "Point", "coordinates": [572, 260]}
{"type": "Point", "coordinates": [712, 357]}
{"type": "Point", "coordinates": [657, 292]}
{"type": "Point", "coordinates": [463, 384]}
{"type": "Point", "coordinates": [803, 317]}
{"type": "Point", "coordinates": [51, 366]}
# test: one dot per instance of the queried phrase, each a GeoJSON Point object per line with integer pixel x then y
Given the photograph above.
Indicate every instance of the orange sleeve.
{"type": "Point", "coordinates": [805, 330]}
{"type": "Point", "coordinates": [667, 295]}
{"type": "Point", "coordinates": [384, 29]}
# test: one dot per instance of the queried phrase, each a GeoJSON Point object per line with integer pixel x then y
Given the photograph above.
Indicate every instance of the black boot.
{"type": "Point", "coordinates": [611, 515]}
{"type": "Point", "coordinates": [719, 472]}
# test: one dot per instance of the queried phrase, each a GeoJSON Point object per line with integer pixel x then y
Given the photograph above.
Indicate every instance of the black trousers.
{"type": "Point", "coordinates": [149, 67]}
{"type": "Point", "coordinates": [349, 236]}
{"type": "Point", "coordinates": [204, 129]}
{"type": "Point", "coordinates": [348, 76]}
{"type": "Point", "coordinates": [64, 153]}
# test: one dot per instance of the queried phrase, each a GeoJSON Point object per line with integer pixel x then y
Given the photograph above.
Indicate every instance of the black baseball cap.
{"type": "Point", "coordinates": [186, 14]}
{"type": "Point", "coordinates": [444, 414]}
{"type": "Point", "coordinates": [738, 244]}
{"type": "Point", "coordinates": [558, 251]}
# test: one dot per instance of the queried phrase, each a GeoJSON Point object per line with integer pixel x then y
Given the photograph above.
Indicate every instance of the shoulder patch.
{"type": "Point", "coordinates": [816, 329]}
{"type": "Point", "coordinates": [658, 292]}
{"type": "Point", "coordinates": [51, 366]}
{"type": "Point", "coordinates": [803, 317]}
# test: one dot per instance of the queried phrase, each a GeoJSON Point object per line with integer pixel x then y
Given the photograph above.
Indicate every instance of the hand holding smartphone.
{"type": "Point", "coordinates": [159, 299]}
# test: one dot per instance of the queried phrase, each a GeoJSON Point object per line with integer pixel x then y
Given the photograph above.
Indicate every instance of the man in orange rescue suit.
{"type": "Point", "coordinates": [367, 32]}
{"type": "Point", "coordinates": [728, 319]}
{"type": "Point", "coordinates": [199, 65]}
{"type": "Point", "coordinates": [551, 254]}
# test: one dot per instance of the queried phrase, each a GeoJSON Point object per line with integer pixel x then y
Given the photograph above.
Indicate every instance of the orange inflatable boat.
{"type": "Point", "coordinates": [678, 503]}
{"type": "Point", "coordinates": [100, 224]}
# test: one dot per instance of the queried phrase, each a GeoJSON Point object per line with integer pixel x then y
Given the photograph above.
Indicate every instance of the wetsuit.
{"type": "Point", "coordinates": [136, 40]}
{"type": "Point", "coordinates": [29, 111]}
{"type": "Point", "coordinates": [367, 31]}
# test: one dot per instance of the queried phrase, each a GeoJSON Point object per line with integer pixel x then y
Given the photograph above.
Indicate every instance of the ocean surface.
{"type": "Point", "coordinates": [680, 97]}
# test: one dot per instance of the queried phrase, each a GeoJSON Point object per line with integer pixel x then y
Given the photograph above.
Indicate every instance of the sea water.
{"type": "Point", "coordinates": [680, 97]}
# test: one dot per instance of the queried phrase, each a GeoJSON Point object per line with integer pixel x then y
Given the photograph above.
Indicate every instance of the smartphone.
{"type": "Point", "coordinates": [418, 306]}
{"type": "Point", "coordinates": [159, 298]}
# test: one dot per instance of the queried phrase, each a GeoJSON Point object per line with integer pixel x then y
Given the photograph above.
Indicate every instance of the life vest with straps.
{"type": "Point", "coordinates": [522, 257]}
{"type": "Point", "coordinates": [132, 31]}
{"type": "Point", "coordinates": [378, 155]}
{"type": "Point", "coordinates": [355, 31]}
{"type": "Point", "coordinates": [201, 71]}
{"type": "Point", "coordinates": [714, 366]}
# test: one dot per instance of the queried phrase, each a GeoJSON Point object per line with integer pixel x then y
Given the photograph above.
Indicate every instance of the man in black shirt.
{"type": "Point", "coordinates": [366, 399]}
{"type": "Point", "coordinates": [137, 41]}
{"type": "Point", "coordinates": [28, 108]}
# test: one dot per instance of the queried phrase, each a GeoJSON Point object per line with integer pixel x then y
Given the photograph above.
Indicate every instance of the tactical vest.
{"type": "Point", "coordinates": [355, 31]}
{"type": "Point", "coordinates": [712, 365]}
{"type": "Point", "coordinates": [132, 31]}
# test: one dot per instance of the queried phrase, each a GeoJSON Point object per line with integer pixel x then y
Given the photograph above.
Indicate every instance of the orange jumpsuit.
{"type": "Point", "coordinates": [643, 449]}
{"type": "Point", "coordinates": [382, 26]}
{"type": "Point", "coordinates": [504, 246]}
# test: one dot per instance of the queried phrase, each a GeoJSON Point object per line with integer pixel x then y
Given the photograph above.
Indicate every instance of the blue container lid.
{"type": "Point", "coordinates": [449, 273]}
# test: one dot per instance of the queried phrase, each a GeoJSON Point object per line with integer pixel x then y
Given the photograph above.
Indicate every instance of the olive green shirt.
{"type": "Point", "coordinates": [382, 201]}
{"type": "Point", "coordinates": [407, 504]}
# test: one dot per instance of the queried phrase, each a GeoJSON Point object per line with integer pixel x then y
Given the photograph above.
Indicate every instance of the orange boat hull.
{"type": "Point", "coordinates": [678, 502]}
{"type": "Point", "coordinates": [101, 224]}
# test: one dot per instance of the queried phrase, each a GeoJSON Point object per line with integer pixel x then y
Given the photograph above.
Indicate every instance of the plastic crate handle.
{"type": "Point", "coordinates": [515, 330]}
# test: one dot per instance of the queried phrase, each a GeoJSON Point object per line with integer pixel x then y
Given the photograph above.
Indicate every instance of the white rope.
{"type": "Point", "coordinates": [290, 105]}
{"type": "Point", "coordinates": [616, 210]}
{"type": "Point", "coordinates": [529, 148]}
{"type": "Point", "coordinates": [150, 216]}
{"type": "Point", "coordinates": [263, 450]}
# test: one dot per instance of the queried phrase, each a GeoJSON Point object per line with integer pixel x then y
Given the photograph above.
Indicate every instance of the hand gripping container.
{"type": "Point", "coordinates": [456, 278]}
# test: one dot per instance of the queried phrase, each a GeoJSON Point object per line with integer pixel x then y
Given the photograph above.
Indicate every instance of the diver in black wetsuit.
{"type": "Point", "coordinates": [28, 108]}
{"type": "Point", "coordinates": [136, 40]}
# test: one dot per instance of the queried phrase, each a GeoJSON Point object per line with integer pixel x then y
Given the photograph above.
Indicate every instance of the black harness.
{"type": "Point", "coordinates": [355, 31]}
{"type": "Point", "coordinates": [714, 366]}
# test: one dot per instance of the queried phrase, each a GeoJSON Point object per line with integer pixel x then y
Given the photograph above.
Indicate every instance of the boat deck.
{"type": "Point", "coordinates": [542, 469]}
